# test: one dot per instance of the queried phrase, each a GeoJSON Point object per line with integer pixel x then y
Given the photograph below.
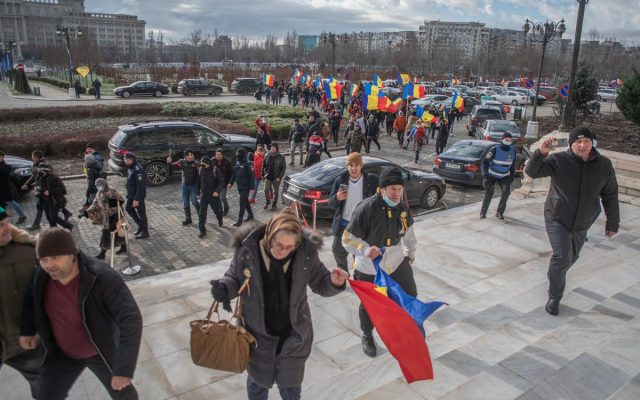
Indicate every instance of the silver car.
{"type": "Point", "coordinates": [607, 95]}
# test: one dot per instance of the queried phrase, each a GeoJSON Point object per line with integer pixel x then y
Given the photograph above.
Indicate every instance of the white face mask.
{"type": "Point", "coordinates": [507, 142]}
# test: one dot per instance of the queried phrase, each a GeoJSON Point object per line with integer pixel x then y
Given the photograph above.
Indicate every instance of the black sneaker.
{"type": "Point", "coordinates": [553, 306]}
{"type": "Point", "coordinates": [143, 235]}
{"type": "Point", "coordinates": [219, 223]}
{"type": "Point", "coordinates": [202, 234]}
{"type": "Point", "coordinates": [369, 345]}
{"type": "Point", "coordinates": [122, 249]}
{"type": "Point", "coordinates": [483, 216]}
{"type": "Point", "coordinates": [139, 231]}
{"type": "Point", "coordinates": [249, 218]}
{"type": "Point", "coordinates": [33, 227]}
{"type": "Point", "coordinates": [22, 219]}
{"type": "Point", "coordinates": [237, 224]}
{"type": "Point", "coordinates": [500, 215]}
{"type": "Point", "coordinates": [186, 222]}
{"type": "Point", "coordinates": [67, 214]}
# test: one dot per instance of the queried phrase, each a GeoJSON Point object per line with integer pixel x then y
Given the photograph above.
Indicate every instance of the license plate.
{"type": "Point", "coordinates": [453, 166]}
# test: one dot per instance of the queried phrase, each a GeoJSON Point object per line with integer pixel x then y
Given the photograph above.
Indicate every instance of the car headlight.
{"type": "Point", "coordinates": [26, 171]}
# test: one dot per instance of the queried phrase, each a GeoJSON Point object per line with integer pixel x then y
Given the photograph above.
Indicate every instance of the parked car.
{"type": "Point", "coordinates": [21, 171]}
{"type": "Point", "coordinates": [493, 129]}
{"type": "Point", "coordinates": [423, 189]}
{"type": "Point", "coordinates": [153, 141]}
{"type": "Point", "coordinates": [142, 88]}
{"type": "Point", "coordinates": [429, 99]}
{"type": "Point", "coordinates": [607, 95]}
{"type": "Point", "coordinates": [245, 85]}
{"type": "Point", "coordinates": [461, 162]}
{"type": "Point", "coordinates": [531, 94]}
{"type": "Point", "coordinates": [549, 92]}
{"type": "Point", "coordinates": [479, 114]}
{"type": "Point", "coordinates": [198, 86]}
{"type": "Point", "coordinates": [391, 92]}
{"type": "Point", "coordinates": [512, 97]}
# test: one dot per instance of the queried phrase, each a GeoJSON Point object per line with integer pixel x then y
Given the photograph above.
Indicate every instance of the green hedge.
{"type": "Point", "coordinates": [280, 118]}
{"type": "Point", "coordinates": [55, 82]}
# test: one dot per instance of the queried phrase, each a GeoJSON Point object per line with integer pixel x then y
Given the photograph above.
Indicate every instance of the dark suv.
{"type": "Point", "coordinates": [142, 87]}
{"type": "Point", "coordinates": [245, 85]}
{"type": "Point", "coordinates": [479, 114]}
{"type": "Point", "coordinates": [198, 86]}
{"type": "Point", "coordinates": [153, 141]}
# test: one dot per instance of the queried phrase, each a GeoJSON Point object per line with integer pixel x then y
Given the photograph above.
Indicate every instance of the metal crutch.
{"type": "Point", "coordinates": [131, 269]}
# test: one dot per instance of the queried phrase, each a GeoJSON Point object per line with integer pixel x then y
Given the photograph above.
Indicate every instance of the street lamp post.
{"type": "Point", "coordinates": [542, 33]}
{"type": "Point", "coordinates": [67, 32]}
{"type": "Point", "coordinates": [332, 39]}
{"type": "Point", "coordinates": [566, 112]}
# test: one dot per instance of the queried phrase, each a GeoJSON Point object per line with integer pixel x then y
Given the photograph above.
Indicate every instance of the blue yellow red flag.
{"type": "Point", "coordinates": [371, 89]}
{"type": "Point", "coordinates": [268, 80]}
{"type": "Point", "coordinates": [403, 79]}
{"type": "Point", "coordinates": [377, 81]}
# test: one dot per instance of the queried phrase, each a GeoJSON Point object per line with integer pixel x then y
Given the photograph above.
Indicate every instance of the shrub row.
{"type": "Point", "coordinates": [66, 113]}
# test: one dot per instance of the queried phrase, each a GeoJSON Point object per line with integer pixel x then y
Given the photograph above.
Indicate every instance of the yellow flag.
{"type": "Point", "coordinates": [83, 70]}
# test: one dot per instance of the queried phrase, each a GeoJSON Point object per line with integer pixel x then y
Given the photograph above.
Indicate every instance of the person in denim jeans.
{"type": "Point", "coordinates": [258, 160]}
{"type": "Point", "coordinates": [189, 186]}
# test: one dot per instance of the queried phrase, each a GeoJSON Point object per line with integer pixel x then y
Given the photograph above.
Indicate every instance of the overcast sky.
{"type": "Point", "coordinates": [255, 19]}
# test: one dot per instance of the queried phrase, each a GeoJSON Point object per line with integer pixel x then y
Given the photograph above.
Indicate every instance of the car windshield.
{"type": "Point", "coordinates": [500, 128]}
{"type": "Point", "coordinates": [465, 150]}
{"type": "Point", "coordinates": [489, 113]}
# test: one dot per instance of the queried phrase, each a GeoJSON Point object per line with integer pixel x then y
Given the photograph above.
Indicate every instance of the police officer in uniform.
{"type": "Point", "coordinates": [498, 166]}
{"type": "Point", "coordinates": [382, 223]}
{"type": "Point", "coordinates": [136, 193]}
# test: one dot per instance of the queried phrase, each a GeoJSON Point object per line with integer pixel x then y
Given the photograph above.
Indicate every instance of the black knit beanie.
{"type": "Point", "coordinates": [391, 176]}
{"type": "Point", "coordinates": [580, 132]}
{"type": "Point", "coordinates": [56, 242]}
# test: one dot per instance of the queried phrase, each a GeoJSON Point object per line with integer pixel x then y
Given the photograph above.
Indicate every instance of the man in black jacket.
{"type": "Point", "coordinates": [136, 194]}
{"type": "Point", "coordinates": [189, 187]}
{"type": "Point", "coordinates": [53, 193]}
{"type": "Point", "coordinates": [348, 190]}
{"type": "Point", "coordinates": [273, 169]}
{"type": "Point", "coordinates": [226, 168]}
{"type": "Point", "coordinates": [85, 317]}
{"type": "Point", "coordinates": [371, 132]}
{"type": "Point", "coordinates": [210, 185]}
{"type": "Point", "coordinates": [244, 176]}
{"type": "Point", "coordinates": [297, 135]}
{"type": "Point", "coordinates": [580, 178]}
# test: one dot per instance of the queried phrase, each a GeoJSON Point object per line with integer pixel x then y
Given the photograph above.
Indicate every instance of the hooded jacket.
{"type": "Point", "coordinates": [243, 174]}
{"type": "Point", "coordinates": [17, 261]}
{"type": "Point", "coordinates": [577, 187]}
{"type": "Point", "coordinates": [287, 368]}
{"type": "Point", "coordinates": [210, 180]}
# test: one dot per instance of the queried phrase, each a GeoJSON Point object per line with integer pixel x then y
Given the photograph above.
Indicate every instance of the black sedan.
{"type": "Point", "coordinates": [423, 189]}
{"type": "Point", "coordinates": [142, 88]}
{"type": "Point", "coordinates": [21, 170]}
{"type": "Point", "coordinates": [461, 162]}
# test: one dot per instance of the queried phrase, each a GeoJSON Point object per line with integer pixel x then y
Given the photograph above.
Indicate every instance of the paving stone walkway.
{"type": "Point", "coordinates": [494, 341]}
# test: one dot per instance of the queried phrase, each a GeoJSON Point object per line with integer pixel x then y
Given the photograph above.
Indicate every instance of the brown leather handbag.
{"type": "Point", "coordinates": [222, 345]}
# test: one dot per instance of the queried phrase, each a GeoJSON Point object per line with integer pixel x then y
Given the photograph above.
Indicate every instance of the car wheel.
{"type": "Point", "coordinates": [217, 92]}
{"type": "Point", "coordinates": [514, 102]}
{"type": "Point", "coordinates": [192, 92]}
{"type": "Point", "coordinates": [599, 98]}
{"type": "Point", "coordinates": [157, 93]}
{"type": "Point", "coordinates": [430, 197]}
{"type": "Point", "coordinates": [126, 94]}
{"type": "Point", "coordinates": [157, 173]}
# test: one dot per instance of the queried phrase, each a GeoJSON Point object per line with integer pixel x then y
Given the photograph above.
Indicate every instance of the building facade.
{"type": "Point", "coordinates": [34, 22]}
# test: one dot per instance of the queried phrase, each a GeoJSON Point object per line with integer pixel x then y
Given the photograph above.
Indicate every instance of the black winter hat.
{"type": "Point", "coordinates": [205, 160]}
{"type": "Point", "coordinates": [56, 242]}
{"type": "Point", "coordinates": [391, 176]}
{"type": "Point", "coordinates": [241, 154]}
{"type": "Point", "coordinates": [580, 132]}
{"type": "Point", "coordinates": [507, 135]}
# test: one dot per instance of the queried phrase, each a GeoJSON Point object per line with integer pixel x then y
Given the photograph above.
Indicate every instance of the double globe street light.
{"type": "Point", "coordinates": [332, 38]}
{"type": "Point", "coordinates": [67, 32]}
{"type": "Point", "coordinates": [542, 33]}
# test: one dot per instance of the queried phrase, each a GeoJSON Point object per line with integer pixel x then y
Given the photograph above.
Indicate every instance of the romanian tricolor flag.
{"type": "Point", "coordinates": [309, 82]}
{"type": "Point", "coordinates": [457, 101]}
{"type": "Point", "coordinates": [425, 115]}
{"type": "Point", "coordinates": [370, 102]}
{"type": "Point", "coordinates": [268, 80]}
{"type": "Point", "coordinates": [297, 75]}
{"type": "Point", "coordinates": [383, 102]}
{"type": "Point", "coordinates": [377, 81]}
{"type": "Point", "coordinates": [413, 90]}
{"type": "Point", "coordinates": [354, 90]}
{"type": "Point", "coordinates": [317, 83]}
{"type": "Point", "coordinates": [403, 79]}
{"type": "Point", "coordinates": [332, 89]}
{"type": "Point", "coordinates": [395, 105]}
{"type": "Point", "coordinates": [398, 318]}
{"type": "Point", "coordinates": [371, 90]}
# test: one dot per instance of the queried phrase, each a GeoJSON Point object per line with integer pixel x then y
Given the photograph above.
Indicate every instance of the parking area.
{"type": "Point", "coordinates": [173, 246]}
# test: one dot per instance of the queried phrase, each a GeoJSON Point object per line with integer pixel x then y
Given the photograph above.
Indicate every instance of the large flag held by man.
{"type": "Point", "coordinates": [333, 89]}
{"type": "Point", "coordinates": [413, 90]}
{"type": "Point", "coordinates": [398, 318]}
{"type": "Point", "coordinates": [457, 101]}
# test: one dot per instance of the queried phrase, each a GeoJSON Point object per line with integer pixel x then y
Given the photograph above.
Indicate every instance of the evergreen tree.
{"type": "Point", "coordinates": [586, 88]}
{"type": "Point", "coordinates": [629, 97]}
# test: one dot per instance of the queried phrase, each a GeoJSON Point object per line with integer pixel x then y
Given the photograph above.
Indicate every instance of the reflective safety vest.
{"type": "Point", "coordinates": [502, 161]}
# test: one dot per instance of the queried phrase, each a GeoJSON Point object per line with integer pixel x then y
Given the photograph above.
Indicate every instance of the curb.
{"type": "Point", "coordinates": [109, 98]}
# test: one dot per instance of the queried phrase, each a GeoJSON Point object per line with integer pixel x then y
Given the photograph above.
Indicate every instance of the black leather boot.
{"type": "Point", "coordinates": [187, 216]}
{"type": "Point", "coordinates": [553, 306]}
{"type": "Point", "coordinates": [369, 345]}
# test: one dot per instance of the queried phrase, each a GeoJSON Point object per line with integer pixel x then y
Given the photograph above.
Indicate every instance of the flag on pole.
{"type": "Point", "coordinates": [403, 79]}
{"type": "Point", "coordinates": [371, 90]}
{"type": "Point", "coordinates": [413, 90]}
{"type": "Point", "coordinates": [457, 102]}
{"type": "Point", "coordinates": [395, 105]}
{"type": "Point", "coordinates": [317, 83]}
{"type": "Point", "coordinates": [83, 70]}
{"type": "Point", "coordinates": [297, 74]}
{"type": "Point", "coordinates": [332, 90]}
{"type": "Point", "coordinates": [354, 90]}
{"type": "Point", "coordinates": [425, 115]}
{"type": "Point", "coordinates": [268, 80]}
{"type": "Point", "coordinates": [377, 81]}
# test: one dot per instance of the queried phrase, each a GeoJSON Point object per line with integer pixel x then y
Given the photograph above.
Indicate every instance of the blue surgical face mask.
{"type": "Point", "coordinates": [594, 143]}
{"type": "Point", "coordinates": [389, 202]}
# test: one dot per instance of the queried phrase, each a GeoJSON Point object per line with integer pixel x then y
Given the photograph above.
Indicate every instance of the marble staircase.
{"type": "Point", "coordinates": [493, 341]}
